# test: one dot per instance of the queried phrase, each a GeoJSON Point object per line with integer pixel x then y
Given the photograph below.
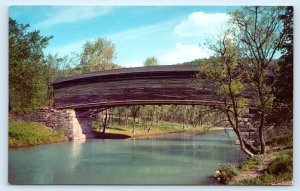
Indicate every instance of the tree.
{"type": "Point", "coordinates": [257, 34]}
{"type": "Point", "coordinates": [97, 56]}
{"type": "Point", "coordinates": [151, 61]}
{"type": "Point", "coordinates": [134, 113]}
{"type": "Point", "coordinates": [283, 107]}
{"type": "Point", "coordinates": [225, 70]}
{"type": "Point", "coordinates": [27, 89]}
{"type": "Point", "coordinates": [105, 121]}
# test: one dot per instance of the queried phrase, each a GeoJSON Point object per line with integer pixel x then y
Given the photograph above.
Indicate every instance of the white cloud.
{"type": "Point", "coordinates": [201, 24]}
{"type": "Point", "coordinates": [73, 14]}
{"type": "Point", "coordinates": [183, 53]}
{"type": "Point", "coordinates": [133, 63]}
{"type": "Point", "coordinates": [74, 47]}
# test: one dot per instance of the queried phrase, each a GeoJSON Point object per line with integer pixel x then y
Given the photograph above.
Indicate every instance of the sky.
{"type": "Point", "coordinates": [172, 34]}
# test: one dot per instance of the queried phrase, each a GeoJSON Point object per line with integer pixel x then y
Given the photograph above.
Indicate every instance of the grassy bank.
{"type": "Point", "coordinates": [163, 127]}
{"type": "Point", "coordinates": [273, 168]}
{"type": "Point", "coordinates": [23, 133]}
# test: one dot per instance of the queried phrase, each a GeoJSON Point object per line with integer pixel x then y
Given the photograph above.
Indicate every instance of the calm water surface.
{"type": "Point", "coordinates": [179, 158]}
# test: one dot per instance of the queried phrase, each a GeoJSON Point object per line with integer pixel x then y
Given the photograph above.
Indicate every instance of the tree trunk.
{"type": "Point", "coordinates": [126, 121]}
{"type": "Point", "coordinates": [119, 117]}
{"type": "Point", "coordinates": [242, 145]}
{"type": "Point", "coordinates": [145, 125]}
{"type": "Point", "coordinates": [133, 125]}
{"type": "Point", "coordinates": [111, 119]}
{"type": "Point", "coordinates": [172, 123]}
{"type": "Point", "coordinates": [200, 120]}
{"type": "Point", "coordinates": [149, 129]}
{"type": "Point", "coordinates": [105, 121]}
{"type": "Point", "coordinates": [235, 126]}
{"type": "Point", "coordinates": [261, 135]}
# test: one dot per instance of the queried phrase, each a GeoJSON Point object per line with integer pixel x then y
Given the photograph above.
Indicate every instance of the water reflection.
{"type": "Point", "coordinates": [76, 153]}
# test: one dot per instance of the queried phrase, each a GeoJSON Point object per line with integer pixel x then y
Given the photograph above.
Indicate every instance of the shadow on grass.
{"type": "Point", "coordinates": [99, 135]}
{"type": "Point", "coordinates": [117, 128]}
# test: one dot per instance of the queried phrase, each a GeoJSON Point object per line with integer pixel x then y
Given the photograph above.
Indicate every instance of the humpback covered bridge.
{"type": "Point", "coordinates": [173, 84]}
{"type": "Point", "coordinates": [155, 85]}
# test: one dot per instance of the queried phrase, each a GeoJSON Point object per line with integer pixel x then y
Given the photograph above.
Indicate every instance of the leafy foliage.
{"type": "Point", "coordinates": [228, 74]}
{"type": "Point", "coordinates": [227, 173]}
{"type": "Point", "coordinates": [257, 32]}
{"type": "Point", "coordinates": [27, 89]}
{"type": "Point", "coordinates": [151, 61]}
{"type": "Point", "coordinates": [286, 140]}
{"type": "Point", "coordinates": [97, 56]}
{"type": "Point", "coordinates": [281, 165]}
{"type": "Point", "coordinates": [283, 107]}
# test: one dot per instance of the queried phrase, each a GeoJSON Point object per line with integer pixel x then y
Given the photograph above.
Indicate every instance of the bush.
{"type": "Point", "coordinates": [281, 165]}
{"type": "Point", "coordinates": [285, 140]}
{"type": "Point", "coordinates": [227, 173]}
{"type": "Point", "coordinates": [250, 163]}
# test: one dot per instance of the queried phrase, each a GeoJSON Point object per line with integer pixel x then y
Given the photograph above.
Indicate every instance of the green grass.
{"type": "Point", "coordinates": [162, 127]}
{"type": "Point", "coordinates": [23, 133]}
{"type": "Point", "coordinates": [250, 163]}
{"type": "Point", "coordinates": [264, 179]}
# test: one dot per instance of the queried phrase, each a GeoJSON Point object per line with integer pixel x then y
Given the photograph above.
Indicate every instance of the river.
{"type": "Point", "coordinates": [172, 159]}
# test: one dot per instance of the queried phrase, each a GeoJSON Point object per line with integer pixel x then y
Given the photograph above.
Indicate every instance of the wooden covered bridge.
{"type": "Point", "coordinates": [155, 85]}
{"type": "Point", "coordinates": [173, 84]}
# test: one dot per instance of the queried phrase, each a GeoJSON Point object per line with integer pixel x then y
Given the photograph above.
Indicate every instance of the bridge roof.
{"type": "Point", "coordinates": [150, 70]}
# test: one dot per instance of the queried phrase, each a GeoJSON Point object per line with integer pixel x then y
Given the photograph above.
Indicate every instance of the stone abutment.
{"type": "Point", "coordinates": [74, 127]}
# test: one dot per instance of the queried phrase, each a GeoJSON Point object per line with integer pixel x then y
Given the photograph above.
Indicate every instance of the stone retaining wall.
{"type": "Point", "coordinates": [65, 120]}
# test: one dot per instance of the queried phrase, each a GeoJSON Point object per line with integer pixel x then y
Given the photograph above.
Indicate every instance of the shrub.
{"type": "Point", "coordinates": [281, 165]}
{"type": "Point", "coordinates": [283, 140]}
{"type": "Point", "coordinates": [227, 173]}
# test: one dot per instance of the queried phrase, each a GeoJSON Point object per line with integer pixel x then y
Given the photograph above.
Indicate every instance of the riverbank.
{"type": "Point", "coordinates": [117, 131]}
{"type": "Point", "coordinates": [22, 134]}
{"type": "Point", "coordinates": [273, 168]}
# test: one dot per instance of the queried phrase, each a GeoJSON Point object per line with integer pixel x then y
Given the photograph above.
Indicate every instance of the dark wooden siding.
{"type": "Point", "coordinates": [158, 87]}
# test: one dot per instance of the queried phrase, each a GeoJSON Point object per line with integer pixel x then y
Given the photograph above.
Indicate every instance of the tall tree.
{"type": "Point", "coordinates": [54, 67]}
{"type": "Point", "coordinates": [97, 56]}
{"type": "Point", "coordinates": [225, 70]}
{"type": "Point", "coordinates": [151, 61]}
{"type": "Point", "coordinates": [26, 81]}
{"type": "Point", "coordinates": [257, 32]}
{"type": "Point", "coordinates": [283, 107]}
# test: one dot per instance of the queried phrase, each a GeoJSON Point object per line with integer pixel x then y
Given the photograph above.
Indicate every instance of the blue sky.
{"type": "Point", "coordinates": [173, 34]}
